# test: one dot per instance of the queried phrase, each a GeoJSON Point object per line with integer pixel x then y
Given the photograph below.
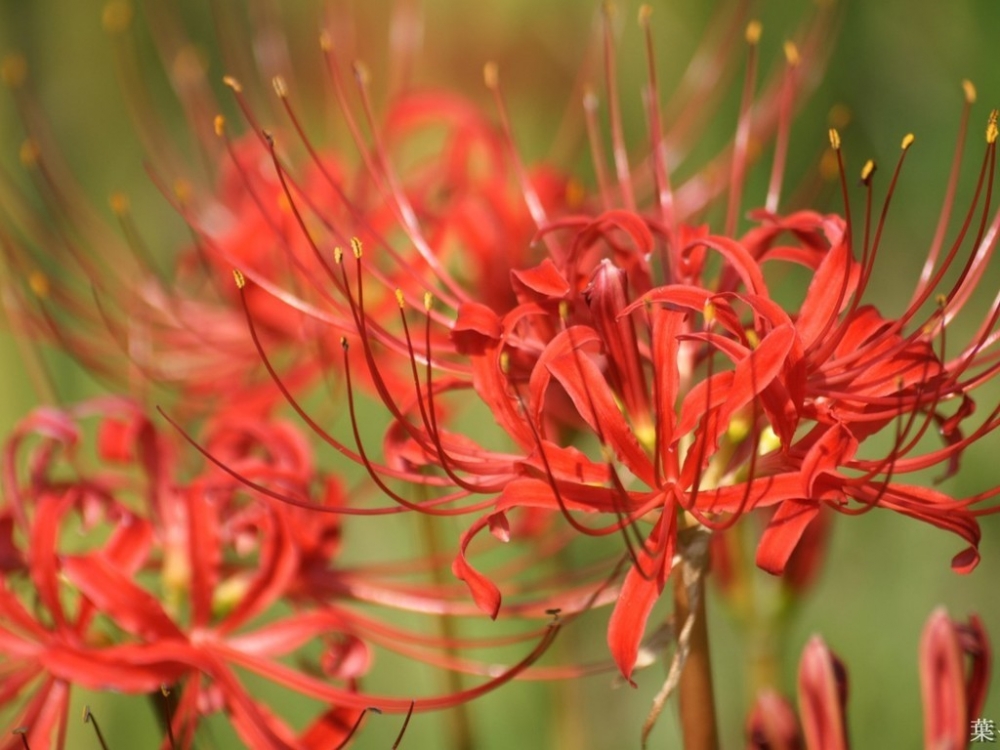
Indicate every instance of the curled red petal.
{"type": "Point", "coordinates": [475, 328]}
{"type": "Point", "coordinates": [639, 593]}
{"type": "Point", "coordinates": [783, 534]}
{"type": "Point", "coordinates": [484, 592]}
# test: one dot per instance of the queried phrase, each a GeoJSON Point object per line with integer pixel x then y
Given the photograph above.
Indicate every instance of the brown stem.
{"type": "Point", "coordinates": [697, 701]}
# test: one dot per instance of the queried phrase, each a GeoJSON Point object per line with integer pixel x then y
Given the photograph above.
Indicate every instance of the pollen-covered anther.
{"type": "Point", "coordinates": [645, 11]}
{"type": "Point", "coordinates": [991, 128]}
{"type": "Point", "coordinates": [119, 203]}
{"type": "Point", "coordinates": [233, 84]}
{"type": "Point", "coordinates": [239, 278]}
{"type": "Point", "coordinates": [338, 255]}
{"type": "Point", "coordinates": [280, 87]}
{"type": "Point", "coordinates": [575, 193]}
{"type": "Point", "coordinates": [709, 314]}
{"type": "Point", "coordinates": [738, 429]}
{"type": "Point", "coordinates": [754, 29]}
{"type": "Point", "coordinates": [356, 247]}
{"type": "Point", "coordinates": [182, 190]}
{"type": "Point", "coordinates": [769, 441]}
{"type": "Point", "coordinates": [13, 70]}
{"type": "Point", "coordinates": [908, 140]}
{"type": "Point", "coordinates": [491, 75]}
{"type": "Point", "coordinates": [563, 310]}
{"type": "Point", "coordinates": [867, 171]}
{"type": "Point", "coordinates": [970, 91]}
{"type": "Point", "coordinates": [29, 153]}
{"type": "Point", "coordinates": [505, 362]}
{"type": "Point", "coordinates": [325, 41]}
{"type": "Point", "coordinates": [38, 282]}
{"type": "Point", "coordinates": [752, 338]}
{"type": "Point", "coordinates": [399, 299]}
{"type": "Point", "coordinates": [219, 125]}
{"type": "Point", "coordinates": [834, 139]}
{"type": "Point", "coordinates": [428, 301]}
{"type": "Point", "coordinates": [343, 343]}
{"type": "Point", "coordinates": [792, 54]}
{"type": "Point", "coordinates": [117, 16]}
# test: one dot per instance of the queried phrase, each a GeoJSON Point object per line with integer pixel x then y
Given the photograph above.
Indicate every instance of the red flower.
{"type": "Point", "coordinates": [636, 360]}
{"type": "Point", "coordinates": [169, 578]}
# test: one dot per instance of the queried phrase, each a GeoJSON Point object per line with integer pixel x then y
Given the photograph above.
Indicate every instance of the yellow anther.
{"type": "Point", "coordinates": [738, 429]}
{"type": "Point", "coordinates": [182, 189]}
{"type": "Point", "coordinates": [280, 87]}
{"type": "Point", "coordinates": [970, 91]}
{"type": "Point", "coordinates": [38, 282]}
{"type": "Point", "coordinates": [325, 41]}
{"type": "Point", "coordinates": [575, 193]}
{"type": "Point", "coordinates": [228, 594]}
{"type": "Point", "coordinates": [13, 70]}
{"type": "Point", "coordinates": [754, 30]}
{"type": "Point", "coordinates": [752, 338]}
{"type": "Point", "coordinates": [491, 75]}
{"type": "Point", "coordinates": [792, 54]}
{"type": "Point", "coordinates": [338, 255]}
{"type": "Point", "coordinates": [239, 278]}
{"type": "Point", "coordinates": [834, 139]}
{"type": "Point", "coordinates": [188, 66]}
{"type": "Point", "coordinates": [867, 170]}
{"type": "Point", "coordinates": [219, 123]}
{"type": "Point", "coordinates": [117, 16]}
{"type": "Point", "coordinates": [709, 313]}
{"type": "Point", "coordinates": [233, 84]}
{"type": "Point", "coordinates": [563, 310]}
{"type": "Point", "coordinates": [991, 127]}
{"type": "Point", "coordinates": [29, 153]}
{"type": "Point", "coordinates": [428, 301]}
{"type": "Point", "coordinates": [399, 298]}
{"type": "Point", "coordinates": [645, 11]}
{"type": "Point", "coordinates": [908, 140]}
{"type": "Point", "coordinates": [119, 203]}
{"type": "Point", "coordinates": [505, 361]}
{"type": "Point", "coordinates": [356, 247]}
{"type": "Point", "coordinates": [941, 300]}
{"type": "Point", "coordinates": [609, 9]}
{"type": "Point", "coordinates": [829, 169]}
{"type": "Point", "coordinates": [839, 116]}
{"type": "Point", "coordinates": [769, 441]}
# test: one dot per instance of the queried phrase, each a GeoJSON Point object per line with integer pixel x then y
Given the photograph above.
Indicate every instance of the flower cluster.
{"type": "Point", "coordinates": [147, 574]}
{"type": "Point", "coordinates": [648, 383]}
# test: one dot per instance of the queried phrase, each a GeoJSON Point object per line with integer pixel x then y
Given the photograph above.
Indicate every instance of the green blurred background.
{"type": "Point", "coordinates": [895, 65]}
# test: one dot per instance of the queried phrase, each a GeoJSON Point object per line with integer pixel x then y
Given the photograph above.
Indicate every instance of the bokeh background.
{"type": "Point", "coordinates": [895, 65]}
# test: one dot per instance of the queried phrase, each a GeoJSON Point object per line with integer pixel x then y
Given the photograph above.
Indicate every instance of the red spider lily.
{"type": "Point", "coordinates": [707, 398]}
{"type": "Point", "coordinates": [954, 672]}
{"type": "Point", "coordinates": [265, 210]}
{"type": "Point", "coordinates": [174, 583]}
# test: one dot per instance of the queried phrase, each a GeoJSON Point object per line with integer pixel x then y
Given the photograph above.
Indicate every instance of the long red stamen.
{"type": "Point", "coordinates": [619, 151]}
{"type": "Point", "coordinates": [741, 143]}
